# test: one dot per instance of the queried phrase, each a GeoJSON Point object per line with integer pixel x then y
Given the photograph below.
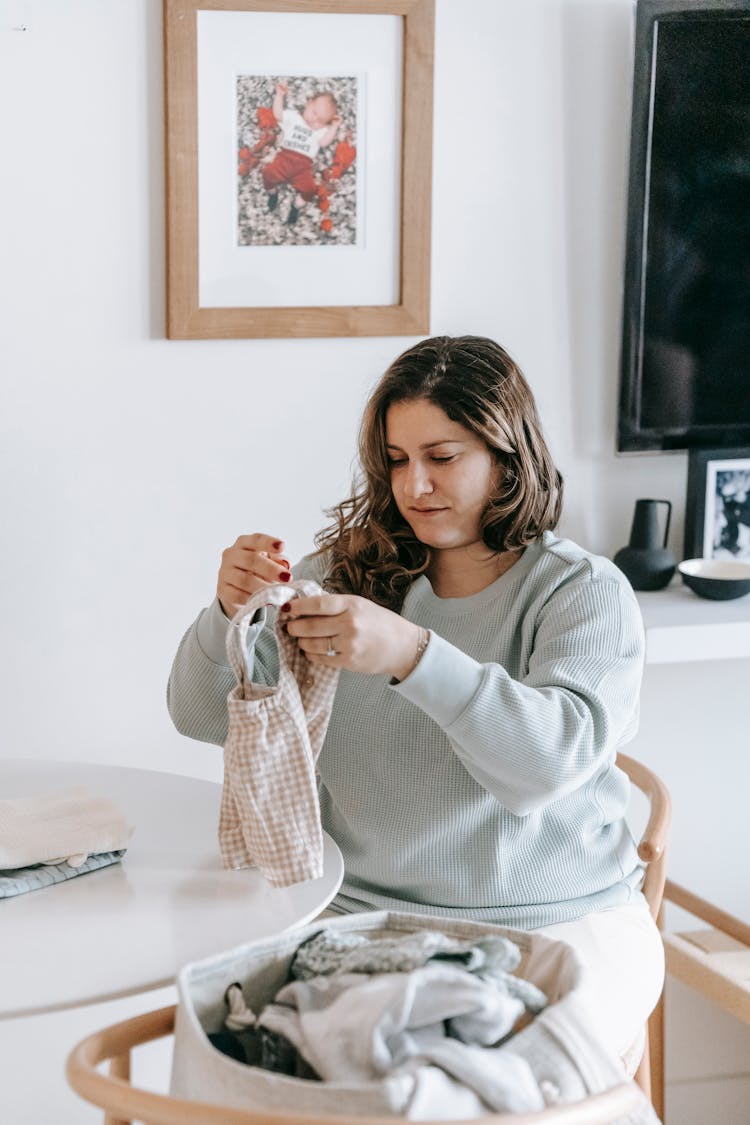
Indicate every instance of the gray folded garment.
{"type": "Point", "coordinates": [20, 880]}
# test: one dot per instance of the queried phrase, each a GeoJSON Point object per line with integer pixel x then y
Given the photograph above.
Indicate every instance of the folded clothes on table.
{"type": "Point", "coordinates": [23, 879]}
{"type": "Point", "coordinates": [59, 828]}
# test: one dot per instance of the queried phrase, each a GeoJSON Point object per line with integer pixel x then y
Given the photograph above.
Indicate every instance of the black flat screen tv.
{"type": "Point", "coordinates": [685, 356]}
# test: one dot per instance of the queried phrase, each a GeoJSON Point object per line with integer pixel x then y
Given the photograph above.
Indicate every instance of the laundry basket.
{"type": "Point", "coordinates": [564, 1057]}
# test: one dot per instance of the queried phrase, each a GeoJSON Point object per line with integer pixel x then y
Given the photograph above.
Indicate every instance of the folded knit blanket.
{"type": "Point", "coordinates": [58, 827]}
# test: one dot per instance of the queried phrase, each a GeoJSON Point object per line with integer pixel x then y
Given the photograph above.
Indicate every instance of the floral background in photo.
{"type": "Point", "coordinates": [331, 218]}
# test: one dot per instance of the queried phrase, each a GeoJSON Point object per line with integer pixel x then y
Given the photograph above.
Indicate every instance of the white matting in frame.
{"type": "Point", "coordinates": [231, 44]}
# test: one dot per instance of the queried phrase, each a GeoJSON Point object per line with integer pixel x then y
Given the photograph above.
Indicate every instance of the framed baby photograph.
{"type": "Point", "coordinates": [299, 167]}
{"type": "Point", "coordinates": [717, 516]}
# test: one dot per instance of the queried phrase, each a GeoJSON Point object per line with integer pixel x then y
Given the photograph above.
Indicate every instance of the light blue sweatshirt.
{"type": "Point", "coordinates": [483, 785]}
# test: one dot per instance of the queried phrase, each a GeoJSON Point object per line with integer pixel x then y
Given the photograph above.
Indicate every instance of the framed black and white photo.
{"type": "Point", "coordinates": [717, 516]}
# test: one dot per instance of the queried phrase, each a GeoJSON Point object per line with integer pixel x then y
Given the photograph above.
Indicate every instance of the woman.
{"type": "Point", "coordinates": [489, 672]}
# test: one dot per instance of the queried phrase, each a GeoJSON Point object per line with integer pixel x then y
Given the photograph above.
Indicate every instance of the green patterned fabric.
{"type": "Point", "coordinates": [23, 879]}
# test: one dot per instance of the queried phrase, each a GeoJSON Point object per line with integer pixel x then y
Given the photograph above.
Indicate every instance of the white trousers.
{"type": "Point", "coordinates": [622, 951]}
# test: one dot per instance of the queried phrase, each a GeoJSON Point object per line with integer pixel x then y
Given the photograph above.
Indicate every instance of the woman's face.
{"type": "Point", "coordinates": [441, 474]}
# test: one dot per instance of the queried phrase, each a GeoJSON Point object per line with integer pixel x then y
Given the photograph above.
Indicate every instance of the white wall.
{"type": "Point", "coordinates": [129, 461]}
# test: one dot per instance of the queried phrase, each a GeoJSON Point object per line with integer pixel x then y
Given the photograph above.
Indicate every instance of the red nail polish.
{"type": "Point", "coordinates": [286, 563]}
{"type": "Point", "coordinates": [286, 607]}
{"type": "Point", "coordinates": [284, 577]}
{"type": "Point", "coordinates": [277, 545]}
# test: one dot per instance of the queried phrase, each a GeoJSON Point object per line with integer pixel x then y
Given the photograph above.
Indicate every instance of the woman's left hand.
{"type": "Point", "coordinates": [364, 637]}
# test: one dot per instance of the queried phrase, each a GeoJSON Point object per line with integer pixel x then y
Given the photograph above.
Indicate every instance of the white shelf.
{"type": "Point", "coordinates": [681, 626]}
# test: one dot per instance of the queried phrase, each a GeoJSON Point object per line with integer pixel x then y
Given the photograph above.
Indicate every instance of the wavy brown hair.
{"type": "Point", "coordinates": [371, 549]}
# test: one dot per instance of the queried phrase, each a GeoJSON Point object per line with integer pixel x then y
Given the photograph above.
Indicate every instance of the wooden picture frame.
{"type": "Point", "coordinates": [406, 273]}
{"type": "Point", "coordinates": [717, 513]}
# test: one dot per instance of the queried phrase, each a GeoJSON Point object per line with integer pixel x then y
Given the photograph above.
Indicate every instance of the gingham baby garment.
{"type": "Point", "coordinates": [270, 812]}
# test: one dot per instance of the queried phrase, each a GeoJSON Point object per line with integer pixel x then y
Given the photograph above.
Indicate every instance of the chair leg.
{"type": "Point", "coordinates": [119, 1067]}
{"type": "Point", "coordinates": [656, 1041]}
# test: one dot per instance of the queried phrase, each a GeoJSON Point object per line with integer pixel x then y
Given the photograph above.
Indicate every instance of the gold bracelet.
{"type": "Point", "coordinates": [422, 643]}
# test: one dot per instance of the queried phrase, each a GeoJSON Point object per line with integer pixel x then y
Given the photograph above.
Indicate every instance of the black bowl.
{"type": "Point", "coordinates": [720, 579]}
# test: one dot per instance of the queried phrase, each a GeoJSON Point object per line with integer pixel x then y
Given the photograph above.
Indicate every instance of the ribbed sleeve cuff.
{"type": "Point", "coordinates": [211, 630]}
{"type": "Point", "coordinates": [443, 683]}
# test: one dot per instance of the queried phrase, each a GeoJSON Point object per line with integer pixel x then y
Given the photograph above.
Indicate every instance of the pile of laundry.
{"type": "Point", "coordinates": [358, 1009]}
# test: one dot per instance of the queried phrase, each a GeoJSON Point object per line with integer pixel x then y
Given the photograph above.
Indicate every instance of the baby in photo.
{"type": "Point", "coordinates": [302, 136]}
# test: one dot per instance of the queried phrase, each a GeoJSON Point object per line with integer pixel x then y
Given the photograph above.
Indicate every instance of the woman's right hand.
{"type": "Point", "coordinates": [252, 562]}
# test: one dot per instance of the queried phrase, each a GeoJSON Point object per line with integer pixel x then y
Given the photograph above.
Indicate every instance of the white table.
{"type": "Point", "coordinates": [128, 928]}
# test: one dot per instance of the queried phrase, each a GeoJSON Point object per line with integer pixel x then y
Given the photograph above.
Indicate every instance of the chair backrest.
{"type": "Point", "coordinates": [652, 850]}
{"type": "Point", "coordinates": [125, 1103]}
{"type": "Point", "coordinates": [652, 847]}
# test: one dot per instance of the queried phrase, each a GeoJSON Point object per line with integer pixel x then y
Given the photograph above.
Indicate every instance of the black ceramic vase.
{"type": "Point", "coordinates": [646, 561]}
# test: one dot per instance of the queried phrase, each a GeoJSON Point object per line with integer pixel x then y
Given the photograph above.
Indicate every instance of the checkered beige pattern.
{"type": "Point", "coordinates": [270, 813]}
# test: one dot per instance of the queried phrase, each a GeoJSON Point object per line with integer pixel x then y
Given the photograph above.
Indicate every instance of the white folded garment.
{"type": "Point", "coordinates": [63, 826]}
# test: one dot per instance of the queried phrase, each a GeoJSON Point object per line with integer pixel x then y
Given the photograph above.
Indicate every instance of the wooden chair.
{"type": "Point", "coordinates": [652, 851]}
{"type": "Point", "coordinates": [125, 1103]}
{"type": "Point", "coordinates": [714, 962]}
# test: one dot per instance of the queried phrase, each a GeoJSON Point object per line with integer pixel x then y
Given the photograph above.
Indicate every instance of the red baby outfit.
{"type": "Point", "coordinates": [270, 813]}
{"type": "Point", "coordinates": [291, 168]}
